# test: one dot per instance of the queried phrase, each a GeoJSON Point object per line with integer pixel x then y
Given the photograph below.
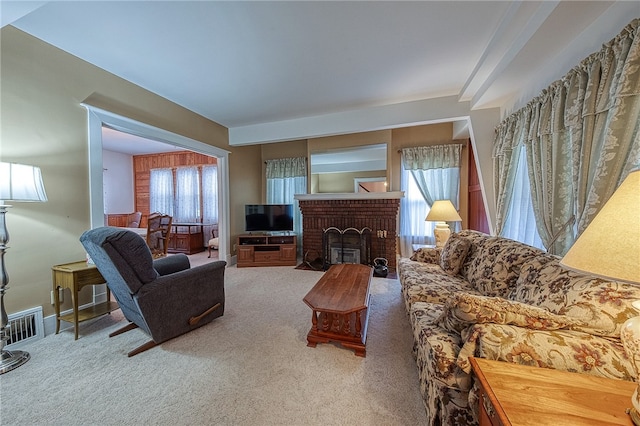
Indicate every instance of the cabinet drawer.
{"type": "Point", "coordinates": [488, 415]}
{"type": "Point", "coordinates": [266, 256]}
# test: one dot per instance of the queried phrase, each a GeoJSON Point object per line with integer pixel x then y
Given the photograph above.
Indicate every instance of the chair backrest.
{"type": "Point", "coordinates": [133, 220]}
{"type": "Point", "coordinates": [158, 233]}
{"type": "Point", "coordinates": [124, 260]}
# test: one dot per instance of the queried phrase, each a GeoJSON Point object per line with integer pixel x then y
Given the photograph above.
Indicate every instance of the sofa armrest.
{"type": "Point", "coordinates": [427, 255]}
{"type": "Point", "coordinates": [566, 350]}
{"type": "Point", "coordinates": [171, 264]}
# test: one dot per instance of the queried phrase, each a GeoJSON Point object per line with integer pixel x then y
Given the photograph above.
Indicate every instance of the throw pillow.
{"type": "Point", "coordinates": [464, 309]}
{"type": "Point", "coordinates": [454, 253]}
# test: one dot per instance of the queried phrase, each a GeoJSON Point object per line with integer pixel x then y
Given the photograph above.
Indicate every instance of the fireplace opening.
{"type": "Point", "coordinates": [348, 245]}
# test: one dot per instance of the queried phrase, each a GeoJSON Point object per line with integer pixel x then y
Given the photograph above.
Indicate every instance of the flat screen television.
{"type": "Point", "coordinates": [268, 217]}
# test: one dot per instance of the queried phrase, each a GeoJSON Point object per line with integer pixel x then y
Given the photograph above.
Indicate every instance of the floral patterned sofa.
{"type": "Point", "coordinates": [496, 298]}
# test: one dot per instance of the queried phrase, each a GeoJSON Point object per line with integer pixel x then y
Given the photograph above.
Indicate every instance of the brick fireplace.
{"type": "Point", "coordinates": [377, 211]}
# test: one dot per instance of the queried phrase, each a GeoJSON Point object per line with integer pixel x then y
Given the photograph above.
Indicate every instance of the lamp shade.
{"type": "Point", "coordinates": [610, 246]}
{"type": "Point", "coordinates": [443, 211]}
{"type": "Point", "coordinates": [19, 182]}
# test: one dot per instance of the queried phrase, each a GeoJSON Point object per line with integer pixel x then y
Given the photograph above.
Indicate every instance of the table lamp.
{"type": "Point", "coordinates": [615, 234]}
{"type": "Point", "coordinates": [18, 182]}
{"type": "Point", "coordinates": [442, 211]}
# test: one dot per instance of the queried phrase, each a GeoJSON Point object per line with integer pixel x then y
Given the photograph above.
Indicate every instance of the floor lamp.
{"type": "Point", "coordinates": [18, 182]}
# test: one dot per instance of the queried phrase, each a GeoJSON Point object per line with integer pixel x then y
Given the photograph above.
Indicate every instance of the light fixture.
{"type": "Point", "coordinates": [615, 233]}
{"type": "Point", "coordinates": [18, 182]}
{"type": "Point", "coordinates": [442, 211]}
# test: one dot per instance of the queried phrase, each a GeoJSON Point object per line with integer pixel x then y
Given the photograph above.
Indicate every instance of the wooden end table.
{"type": "Point", "coordinates": [513, 394]}
{"type": "Point", "coordinates": [75, 276]}
{"type": "Point", "coordinates": [340, 301]}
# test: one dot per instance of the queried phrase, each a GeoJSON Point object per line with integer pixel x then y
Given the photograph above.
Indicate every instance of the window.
{"type": "Point", "coordinates": [520, 223]}
{"type": "Point", "coordinates": [189, 194]}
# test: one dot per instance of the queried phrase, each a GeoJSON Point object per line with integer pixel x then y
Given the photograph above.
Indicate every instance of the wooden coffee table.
{"type": "Point", "coordinates": [340, 301]}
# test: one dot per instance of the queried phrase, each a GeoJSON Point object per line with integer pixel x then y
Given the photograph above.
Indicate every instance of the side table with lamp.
{"type": "Point", "coordinates": [619, 218]}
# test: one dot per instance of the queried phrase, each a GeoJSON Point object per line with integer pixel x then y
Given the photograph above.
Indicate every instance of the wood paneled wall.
{"type": "Point", "coordinates": [142, 164]}
{"type": "Point", "coordinates": [477, 214]}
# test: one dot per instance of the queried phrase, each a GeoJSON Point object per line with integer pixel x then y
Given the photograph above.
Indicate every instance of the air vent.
{"type": "Point", "coordinates": [25, 326]}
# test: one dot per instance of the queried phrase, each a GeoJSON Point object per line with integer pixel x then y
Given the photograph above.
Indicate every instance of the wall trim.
{"type": "Point", "coordinates": [98, 117]}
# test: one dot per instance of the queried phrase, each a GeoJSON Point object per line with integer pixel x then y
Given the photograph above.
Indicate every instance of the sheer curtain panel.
{"type": "Point", "coordinates": [161, 191]}
{"type": "Point", "coordinates": [285, 178]}
{"type": "Point", "coordinates": [429, 174]}
{"type": "Point", "coordinates": [187, 207]}
{"type": "Point", "coordinates": [209, 199]}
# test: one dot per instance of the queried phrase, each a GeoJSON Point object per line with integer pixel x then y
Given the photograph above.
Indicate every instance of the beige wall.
{"type": "Point", "coordinates": [43, 124]}
{"type": "Point", "coordinates": [396, 139]}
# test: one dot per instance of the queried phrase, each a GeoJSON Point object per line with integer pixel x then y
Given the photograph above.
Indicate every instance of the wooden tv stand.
{"type": "Point", "coordinates": [267, 250]}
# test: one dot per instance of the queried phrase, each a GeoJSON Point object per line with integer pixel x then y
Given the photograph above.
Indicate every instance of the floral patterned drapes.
{"type": "Point", "coordinates": [582, 136]}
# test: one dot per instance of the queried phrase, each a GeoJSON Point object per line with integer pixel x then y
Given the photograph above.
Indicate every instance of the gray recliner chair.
{"type": "Point", "coordinates": [166, 297]}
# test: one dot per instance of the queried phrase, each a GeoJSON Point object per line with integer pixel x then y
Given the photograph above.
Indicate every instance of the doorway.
{"type": "Point", "coordinates": [97, 118]}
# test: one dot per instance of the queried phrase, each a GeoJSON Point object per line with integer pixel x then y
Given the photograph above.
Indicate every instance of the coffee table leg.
{"type": "Point", "coordinates": [314, 329]}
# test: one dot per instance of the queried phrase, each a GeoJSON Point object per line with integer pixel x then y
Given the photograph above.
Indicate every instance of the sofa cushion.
{"type": "Point", "coordinates": [566, 350]}
{"type": "Point", "coordinates": [602, 305]}
{"type": "Point", "coordinates": [495, 265]}
{"type": "Point", "coordinates": [454, 253]}
{"type": "Point", "coordinates": [463, 310]}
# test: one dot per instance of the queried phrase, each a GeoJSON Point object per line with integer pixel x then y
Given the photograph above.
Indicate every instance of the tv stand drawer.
{"type": "Point", "coordinates": [266, 256]}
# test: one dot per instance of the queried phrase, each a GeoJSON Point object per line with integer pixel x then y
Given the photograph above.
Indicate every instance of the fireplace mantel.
{"type": "Point", "coordinates": [351, 196]}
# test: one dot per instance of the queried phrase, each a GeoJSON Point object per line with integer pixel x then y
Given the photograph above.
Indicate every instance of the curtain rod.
{"type": "Point", "coordinates": [463, 143]}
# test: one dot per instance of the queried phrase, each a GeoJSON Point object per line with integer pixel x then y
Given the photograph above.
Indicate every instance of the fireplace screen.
{"type": "Point", "coordinates": [349, 245]}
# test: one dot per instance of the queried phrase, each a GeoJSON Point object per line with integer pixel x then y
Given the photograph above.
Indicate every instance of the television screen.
{"type": "Point", "coordinates": [268, 217]}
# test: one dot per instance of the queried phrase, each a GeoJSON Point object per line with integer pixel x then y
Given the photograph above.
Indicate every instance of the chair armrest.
{"type": "Point", "coordinates": [566, 350]}
{"type": "Point", "coordinates": [171, 264]}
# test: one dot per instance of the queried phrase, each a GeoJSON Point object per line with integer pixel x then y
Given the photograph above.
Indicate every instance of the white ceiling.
{"type": "Point", "coordinates": [243, 63]}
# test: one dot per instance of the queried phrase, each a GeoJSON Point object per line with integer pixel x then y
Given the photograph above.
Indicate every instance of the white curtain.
{"type": "Point", "coordinates": [209, 199]}
{"type": "Point", "coordinates": [285, 178]}
{"type": "Point", "coordinates": [161, 191]}
{"type": "Point", "coordinates": [520, 223]}
{"type": "Point", "coordinates": [428, 174]}
{"type": "Point", "coordinates": [187, 195]}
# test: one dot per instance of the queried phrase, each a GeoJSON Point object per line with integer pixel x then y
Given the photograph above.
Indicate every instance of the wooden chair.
{"type": "Point", "coordinates": [158, 234]}
{"type": "Point", "coordinates": [133, 220]}
{"type": "Point", "coordinates": [213, 242]}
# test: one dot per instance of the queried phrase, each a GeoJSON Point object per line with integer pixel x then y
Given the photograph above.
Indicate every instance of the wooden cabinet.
{"type": "Point", "coordinates": [267, 250]}
{"type": "Point", "coordinates": [186, 238]}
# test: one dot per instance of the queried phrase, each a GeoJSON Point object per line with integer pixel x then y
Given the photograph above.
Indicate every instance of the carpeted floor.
{"type": "Point", "coordinates": [249, 367]}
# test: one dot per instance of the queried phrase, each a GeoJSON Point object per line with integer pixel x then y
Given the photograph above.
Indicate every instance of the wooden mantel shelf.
{"type": "Point", "coordinates": [350, 196]}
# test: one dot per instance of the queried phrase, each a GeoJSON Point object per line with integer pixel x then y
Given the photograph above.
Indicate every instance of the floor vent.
{"type": "Point", "coordinates": [25, 326]}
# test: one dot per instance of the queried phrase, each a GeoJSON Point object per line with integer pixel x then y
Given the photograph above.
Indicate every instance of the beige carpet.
{"type": "Point", "coordinates": [249, 367]}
